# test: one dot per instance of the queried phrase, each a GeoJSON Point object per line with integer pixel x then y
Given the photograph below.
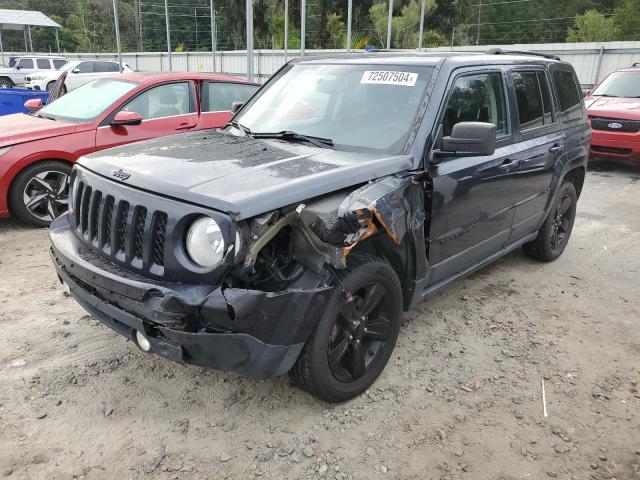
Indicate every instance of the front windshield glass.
{"type": "Point", "coordinates": [88, 101]}
{"type": "Point", "coordinates": [358, 106]}
{"type": "Point", "coordinates": [620, 84]}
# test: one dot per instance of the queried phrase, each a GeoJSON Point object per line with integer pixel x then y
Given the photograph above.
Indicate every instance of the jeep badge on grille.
{"type": "Point", "coordinates": [121, 175]}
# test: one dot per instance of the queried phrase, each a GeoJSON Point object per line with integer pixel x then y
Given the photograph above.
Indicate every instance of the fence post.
{"type": "Point", "coordinates": [600, 55]}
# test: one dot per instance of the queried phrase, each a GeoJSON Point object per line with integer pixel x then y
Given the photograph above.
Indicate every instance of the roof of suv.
{"type": "Point", "coordinates": [428, 58]}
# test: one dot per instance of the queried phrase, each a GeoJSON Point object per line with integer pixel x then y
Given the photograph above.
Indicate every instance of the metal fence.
{"type": "Point", "coordinates": [592, 61]}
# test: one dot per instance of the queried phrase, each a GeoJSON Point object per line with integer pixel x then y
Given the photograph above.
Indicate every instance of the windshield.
{"type": "Point", "coordinates": [358, 106]}
{"type": "Point", "coordinates": [87, 102]}
{"type": "Point", "coordinates": [620, 84]}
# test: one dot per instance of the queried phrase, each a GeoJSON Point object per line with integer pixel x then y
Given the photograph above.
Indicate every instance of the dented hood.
{"type": "Point", "coordinates": [239, 175]}
{"type": "Point", "coordinates": [20, 128]}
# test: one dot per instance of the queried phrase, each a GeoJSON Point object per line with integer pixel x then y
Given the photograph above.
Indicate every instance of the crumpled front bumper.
{"type": "Point", "coordinates": [249, 332]}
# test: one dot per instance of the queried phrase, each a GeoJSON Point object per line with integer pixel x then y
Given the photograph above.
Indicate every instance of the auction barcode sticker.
{"type": "Point", "coordinates": [385, 77]}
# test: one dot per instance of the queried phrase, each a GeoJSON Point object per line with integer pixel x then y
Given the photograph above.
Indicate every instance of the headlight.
{"type": "Point", "coordinates": [205, 243]}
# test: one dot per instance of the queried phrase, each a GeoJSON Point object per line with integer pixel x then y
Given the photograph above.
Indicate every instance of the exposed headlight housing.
{"type": "Point", "coordinates": [205, 243]}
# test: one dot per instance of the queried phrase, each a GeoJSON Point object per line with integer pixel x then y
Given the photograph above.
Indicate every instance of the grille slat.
{"type": "Point", "coordinates": [94, 209]}
{"type": "Point", "coordinates": [121, 228]}
{"type": "Point", "coordinates": [104, 239]}
{"type": "Point", "coordinates": [84, 209]}
{"type": "Point", "coordinates": [627, 126]}
{"type": "Point", "coordinates": [158, 238]}
{"type": "Point", "coordinates": [138, 232]}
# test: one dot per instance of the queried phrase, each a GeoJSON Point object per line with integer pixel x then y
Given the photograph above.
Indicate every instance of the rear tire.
{"type": "Point", "coordinates": [554, 234]}
{"type": "Point", "coordinates": [353, 341]}
{"type": "Point", "coordinates": [40, 193]}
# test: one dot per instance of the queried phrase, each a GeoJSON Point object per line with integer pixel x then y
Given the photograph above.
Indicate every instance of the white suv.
{"type": "Point", "coordinates": [79, 73]}
{"type": "Point", "coordinates": [13, 75]}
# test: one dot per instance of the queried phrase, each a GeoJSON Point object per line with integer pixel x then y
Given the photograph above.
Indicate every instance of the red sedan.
{"type": "Point", "coordinates": [37, 150]}
{"type": "Point", "coordinates": [614, 110]}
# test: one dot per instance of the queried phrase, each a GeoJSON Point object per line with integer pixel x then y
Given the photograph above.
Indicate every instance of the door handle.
{"type": "Point", "coordinates": [509, 163]}
{"type": "Point", "coordinates": [185, 126]}
{"type": "Point", "coordinates": [556, 148]}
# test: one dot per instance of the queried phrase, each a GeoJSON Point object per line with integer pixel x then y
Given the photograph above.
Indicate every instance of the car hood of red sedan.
{"type": "Point", "coordinates": [20, 128]}
{"type": "Point", "coordinates": [613, 107]}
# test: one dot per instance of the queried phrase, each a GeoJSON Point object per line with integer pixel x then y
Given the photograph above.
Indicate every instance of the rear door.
{"type": "Point", "coordinates": [473, 196]}
{"type": "Point", "coordinates": [165, 109]}
{"type": "Point", "coordinates": [540, 142]}
{"type": "Point", "coordinates": [217, 99]}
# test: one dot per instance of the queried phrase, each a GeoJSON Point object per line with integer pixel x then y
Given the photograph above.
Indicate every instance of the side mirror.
{"type": "Point", "coordinates": [123, 118]}
{"type": "Point", "coordinates": [470, 138]}
{"type": "Point", "coordinates": [33, 104]}
{"type": "Point", "coordinates": [75, 70]}
{"type": "Point", "coordinates": [18, 67]}
{"type": "Point", "coordinates": [235, 106]}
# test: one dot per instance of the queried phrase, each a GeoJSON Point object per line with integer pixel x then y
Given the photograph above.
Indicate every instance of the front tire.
{"type": "Point", "coordinates": [554, 234]}
{"type": "Point", "coordinates": [40, 193]}
{"type": "Point", "coordinates": [6, 83]}
{"type": "Point", "coordinates": [354, 339]}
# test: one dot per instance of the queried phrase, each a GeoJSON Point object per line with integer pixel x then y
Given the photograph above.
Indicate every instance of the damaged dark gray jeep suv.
{"type": "Point", "coordinates": [345, 191]}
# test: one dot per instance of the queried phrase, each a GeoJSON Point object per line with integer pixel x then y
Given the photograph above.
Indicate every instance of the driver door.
{"type": "Point", "coordinates": [165, 109]}
{"type": "Point", "coordinates": [474, 197]}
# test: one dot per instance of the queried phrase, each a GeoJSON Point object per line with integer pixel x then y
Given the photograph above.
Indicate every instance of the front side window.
{"type": "Point", "coordinates": [84, 67]}
{"type": "Point", "coordinates": [361, 107]}
{"type": "Point", "coordinates": [43, 64]}
{"type": "Point", "coordinates": [620, 84]}
{"type": "Point", "coordinates": [161, 101]}
{"type": "Point", "coordinates": [220, 97]}
{"type": "Point", "coordinates": [26, 63]}
{"type": "Point", "coordinates": [87, 102]}
{"type": "Point", "coordinates": [568, 93]}
{"type": "Point", "coordinates": [476, 98]}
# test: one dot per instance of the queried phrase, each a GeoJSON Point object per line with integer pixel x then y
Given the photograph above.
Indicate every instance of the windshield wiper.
{"type": "Point", "coordinates": [295, 136]}
{"type": "Point", "coordinates": [240, 127]}
{"type": "Point", "coordinates": [606, 95]}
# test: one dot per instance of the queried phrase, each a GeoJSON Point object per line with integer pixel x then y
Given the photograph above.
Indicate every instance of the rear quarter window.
{"type": "Point", "coordinates": [569, 97]}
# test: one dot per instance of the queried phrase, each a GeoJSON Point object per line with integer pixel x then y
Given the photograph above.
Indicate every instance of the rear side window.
{"type": "Point", "coordinates": [568, 94]}
{"type": "Point", "coordinates": [59, 63]}
{"type": "Point", "coordinates": [105, 67]}
{"type": "Point", "coordinates": [43, 64]}
{"type": "Point", "coordinates": [533, 99]}
{"type": "Point", "coordinates": [476, 98]}
{"type": "Point", "coordinates": [219, 97]}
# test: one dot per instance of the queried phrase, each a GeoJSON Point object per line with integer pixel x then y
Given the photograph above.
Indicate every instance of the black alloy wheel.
{"type": "Point", "coordinates": [359, 333]}
{"type": "Point", "coordinates": [356, 334]}
{"type": "Point", "coordinates": [554, 234]}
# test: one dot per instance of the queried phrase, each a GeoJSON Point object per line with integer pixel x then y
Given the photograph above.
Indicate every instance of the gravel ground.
{"type": "Point", "coordinates": [460, 398]}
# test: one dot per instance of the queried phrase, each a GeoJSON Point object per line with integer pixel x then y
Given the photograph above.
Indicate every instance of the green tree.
{"type": "Point", "coordinates": [592, 26]}
{"type": "Point", "coordinates": [335, 29]}
{"type": "Point", "coordinates": [626, 20]}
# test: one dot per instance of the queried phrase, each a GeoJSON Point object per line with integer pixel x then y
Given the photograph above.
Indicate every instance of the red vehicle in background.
{"type": "Point", "coordinates": [37, 150]}
{"type": "Point", "coordinates": [614, 110]}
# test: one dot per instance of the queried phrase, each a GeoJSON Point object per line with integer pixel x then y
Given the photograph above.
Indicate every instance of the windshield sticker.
{"type": "Point", "coordinates": [405, 79]}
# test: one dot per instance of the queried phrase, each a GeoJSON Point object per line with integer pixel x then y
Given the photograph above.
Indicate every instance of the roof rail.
{"type": "Point", "coordinates": [499, 51]}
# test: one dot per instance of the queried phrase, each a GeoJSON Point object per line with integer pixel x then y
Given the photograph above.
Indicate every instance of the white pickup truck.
{"type": "Point", "coordinates": [13, 75]}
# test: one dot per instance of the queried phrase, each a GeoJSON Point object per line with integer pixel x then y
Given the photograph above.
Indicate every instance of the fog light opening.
{"type": "Point", "coordinates": [142, 341]}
